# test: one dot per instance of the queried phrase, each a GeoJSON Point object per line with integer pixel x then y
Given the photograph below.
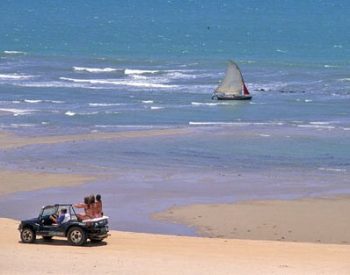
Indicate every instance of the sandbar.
{"type": "Point", "coordinates": [11, 141]}
{"type": "Point", "coordinates": [19, 181]}
{"type": "Point", "coordinates": [317, 220]}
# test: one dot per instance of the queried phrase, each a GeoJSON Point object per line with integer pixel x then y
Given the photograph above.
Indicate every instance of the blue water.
{"type": "Point", "coordinates": [88, 64]}
{"type": "Point", "coordinates": [104, 66]}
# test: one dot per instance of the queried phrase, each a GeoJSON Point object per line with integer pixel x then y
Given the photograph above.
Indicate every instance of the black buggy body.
{"type": "Point", "coordinates": [76, 231]}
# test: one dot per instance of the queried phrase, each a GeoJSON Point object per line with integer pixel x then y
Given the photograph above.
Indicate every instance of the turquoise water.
{"type": "Point", "coordinates": [103, 66]}
{"type": "Point", "coordinates": [98, 65]}
{"type": "Point", "coordinates": [312, 31]}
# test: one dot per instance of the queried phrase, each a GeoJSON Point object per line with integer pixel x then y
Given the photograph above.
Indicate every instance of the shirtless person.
{"type": "Point", "coordinates": [87, 209]}
{"type": "Point", "coordinates": [98, 206]}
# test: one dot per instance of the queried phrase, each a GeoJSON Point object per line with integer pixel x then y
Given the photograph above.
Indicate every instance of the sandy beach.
{"type": "Point", "coordinates": [135, 253]}
{"type": "Point", "coordinates": [308, 236]}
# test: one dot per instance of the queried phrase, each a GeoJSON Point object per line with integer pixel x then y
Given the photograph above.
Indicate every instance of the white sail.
{"type": "Point", "coordinates": [232, 84]}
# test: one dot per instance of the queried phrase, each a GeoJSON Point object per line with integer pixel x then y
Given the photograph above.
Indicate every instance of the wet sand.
{"type": "Point", "coordinates": [321, 220]}
{"type": "Point", "coordinates": [136, 253]}
{"type": "Point", "coordinates": [10, 141]}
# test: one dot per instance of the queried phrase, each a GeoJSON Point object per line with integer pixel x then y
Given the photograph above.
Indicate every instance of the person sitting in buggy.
{"type": "Point", "coordinates": [62, 218]}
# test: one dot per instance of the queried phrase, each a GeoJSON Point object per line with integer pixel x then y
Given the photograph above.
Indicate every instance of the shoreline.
{"type": "Point", "coordinates": [139, 253]}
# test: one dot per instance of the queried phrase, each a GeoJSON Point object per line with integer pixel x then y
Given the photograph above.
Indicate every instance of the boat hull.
{"type": "Point", "coordinates": [238, 97]}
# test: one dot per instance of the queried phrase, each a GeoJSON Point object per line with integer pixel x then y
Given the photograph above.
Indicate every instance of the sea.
{"type": "Point", "coordinates": [77, 67]}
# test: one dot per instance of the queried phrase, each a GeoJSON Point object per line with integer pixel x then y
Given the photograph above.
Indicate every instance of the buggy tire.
{"type": "Point", "coordinates": [76, 236]}
{"type": "Point", "coordinates": [28, 235]}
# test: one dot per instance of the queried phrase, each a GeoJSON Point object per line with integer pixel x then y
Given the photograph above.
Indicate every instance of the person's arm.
{"type": "Point", "coordinates": [80, 205]}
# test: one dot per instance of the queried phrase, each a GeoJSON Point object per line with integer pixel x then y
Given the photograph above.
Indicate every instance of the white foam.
{"type": "Point", "coordinates": [281, 51]}
{"type": "Point", "coordinates": [36, 101]}
{"type": "Point", "coordinates": [264, 135]}
{"type": "Point", "coordinates": [132, 71]}
{"type": "Point", "coordinates": [18, 125]}
{"type": "Point", "coordinates": [332, 169]}
{"type": "Point", "coordinates": [104, 104]}
{"type": "Point", "coordinates": [94, 70]}
{"type": "Point", "coordinates": [315, 126]}
{"type": "Point", "coordinates": [15, 76]}
{"type": "Point", "coordinates": [69, 113]}
{"type": "Point", "coordinates": [53, 84]}
{"type": "Point", "coordinates": [14, 52]}
{"type": "Point", "coordinates": [111, 112]}
{"type": "Point", "coordinates": [208, 103]}
{"type": "Point", "coordinates": [147, 101]}
{"type": "Point", "coordinates": [307, 100]}
{"type": "Point", "coordinates": [345, 79]}
{"type": "Point", "coordinates": [55, 101]}
{"type": "Point", "coordinates": [319, 123]}
{"type": "Point", "coordinates": [32, 101]}
{"type": "Point", "coordinates": [330, 66]}
{"type": "Point", "coordinates": [17, 112]}
{"type": "Point", "coordinates": [87, 113]}
{"type": "Point", "coordinates": [180, 75]}
{"type": "Point", "coordinates": [120, 83]}
{"type": "Point", "coordinates": [156, 108]}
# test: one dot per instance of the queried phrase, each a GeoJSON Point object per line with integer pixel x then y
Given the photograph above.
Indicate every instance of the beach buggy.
{"type": "Point", "coordinates": [71, 227]}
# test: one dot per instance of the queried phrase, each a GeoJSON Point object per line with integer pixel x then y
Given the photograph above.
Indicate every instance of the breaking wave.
{"type": "Point", "coordinates": [14, 52]}
{"type": "Point", "coordinates": [15, 76]}
{"type": "Point", "coordinates": [95, 70]}
{"type": "Point", "coordinates": [104, 104]}
{"type": "Point", "coordinates": [137, 72]}
{"type": "Point", "coordinates": [120, 82]}
{"type": "Point", "coordinates": [17, 112]}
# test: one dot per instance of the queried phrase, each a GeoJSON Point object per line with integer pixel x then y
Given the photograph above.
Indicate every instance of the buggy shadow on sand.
{"type": "Point", "coordinates": [76, 231]}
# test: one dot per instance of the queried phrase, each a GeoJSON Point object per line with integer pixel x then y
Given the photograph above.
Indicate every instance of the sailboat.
{"type": "Point", "coordinates": [233, 86]}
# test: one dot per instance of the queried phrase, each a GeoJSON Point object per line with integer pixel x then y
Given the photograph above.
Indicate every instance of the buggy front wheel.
{"type": "Point", "coordinates": [28, 235]}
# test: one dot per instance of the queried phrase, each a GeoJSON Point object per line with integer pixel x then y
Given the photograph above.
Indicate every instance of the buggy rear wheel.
{"type": "Point", "coordinates": [76, 236]}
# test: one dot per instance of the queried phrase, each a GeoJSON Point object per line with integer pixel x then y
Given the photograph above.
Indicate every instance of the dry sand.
{"type": "Point", "coordinates": [309, 220]}
{"type": "Point", "coordinates": [134, 253]}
